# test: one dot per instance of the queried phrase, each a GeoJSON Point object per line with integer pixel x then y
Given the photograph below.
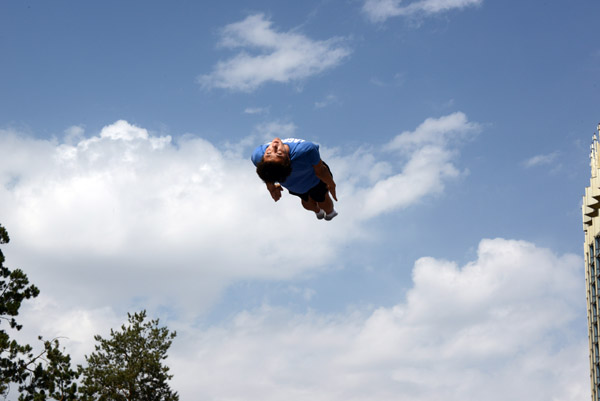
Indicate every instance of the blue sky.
{"type": "Point", "coordinates": [458, 132]}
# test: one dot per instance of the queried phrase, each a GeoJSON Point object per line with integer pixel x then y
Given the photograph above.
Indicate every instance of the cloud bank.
{"type": "Point", "coordinates": [127, 219]}
{"type": "Point", "coordinates": [138, 214]}
{"type": "Point", "coordinates": [427, 157]}
{"type": "Point", "coordinates": [381, 10]}
{"type": "Point", "coordinates": [267, 55]}
{"type": "Point", "coordinates": [509, 325]}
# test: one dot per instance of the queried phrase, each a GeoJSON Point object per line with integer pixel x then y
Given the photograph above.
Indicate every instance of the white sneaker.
{"type": "Point", "coordinates": [321, 214]}
{"type": "Point", "coordinates": [331, 215]}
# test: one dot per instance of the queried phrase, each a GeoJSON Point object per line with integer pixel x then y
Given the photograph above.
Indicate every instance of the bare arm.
{"type": "Point", "coordinates": [274, 190]}
{"type": "Point", "coordinates": [322, 172]}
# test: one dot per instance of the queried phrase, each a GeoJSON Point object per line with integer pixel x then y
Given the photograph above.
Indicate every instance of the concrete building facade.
{"type": "Point", "coordinates": [591, 228]}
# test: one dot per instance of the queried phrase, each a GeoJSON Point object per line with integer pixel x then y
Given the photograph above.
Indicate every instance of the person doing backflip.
{"type": "Point", "coordinates": [296, 165]}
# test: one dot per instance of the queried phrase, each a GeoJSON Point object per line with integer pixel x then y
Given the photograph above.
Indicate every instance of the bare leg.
{"type": "Point", "coordinates": [327, 204]}
{"type": "Point", "coordinates": [310, 205]}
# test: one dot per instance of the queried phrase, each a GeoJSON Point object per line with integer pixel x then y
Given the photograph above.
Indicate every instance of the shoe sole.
{"type": "Point", "coordinates": [331, 216]}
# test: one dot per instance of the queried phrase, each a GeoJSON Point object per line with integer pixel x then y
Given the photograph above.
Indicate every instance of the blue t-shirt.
{"type": "Point", "coordinates": [303, 155]}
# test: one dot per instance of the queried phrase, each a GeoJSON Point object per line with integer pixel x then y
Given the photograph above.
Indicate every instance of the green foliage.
{"type": "Point", "coordinates": [50, 376]}
{"type": "Point", "coordinates": [129, 365]}
{"type": "Point", "coordinates": [14, 289]}
{"type": "Point", "coordinates": [47, 375]}
{"type": "Point", "coordinates": [4, 239]}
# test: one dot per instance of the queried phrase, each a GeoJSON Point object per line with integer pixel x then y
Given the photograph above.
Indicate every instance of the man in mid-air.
{"type": "Point", "coordinates": [296, 165]}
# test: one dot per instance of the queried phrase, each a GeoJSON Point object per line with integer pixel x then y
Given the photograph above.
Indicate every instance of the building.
{"type": "Point", "coordinates": [591, 227]}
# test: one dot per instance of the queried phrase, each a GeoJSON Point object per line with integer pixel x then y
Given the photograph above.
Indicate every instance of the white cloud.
{"type": "Point", "coordinates": [431, 150]}
{"type": "Point", "coordinates": [255, 110]}
{"type": "Point", "coordinates": [509, 325]}
{"type": "Point", "coordinates": [327, 101]}
{"type": "Point", "coordinates": [541, 160]}
{"type": "Point", "coordinates": [73, 134]}
{"type": "Point", "coordinates": [75, 327]}
{"type": "Point", "coordinates": [381, 10]}
{"type": "Point", "coordinates": [435, 131]}
{"type": "Point", "coordinates": [398, 79]}
{"type": "Point", "coordinates": [125, 220]}
{"type": "Point", "coordinates": [269, 130]}
{"type": "Point", "coordinates": [140, 218]}
{"type": "Point", "coordinates": [268, 55]}
{"type": "Point", "coordinates": [135, 215]}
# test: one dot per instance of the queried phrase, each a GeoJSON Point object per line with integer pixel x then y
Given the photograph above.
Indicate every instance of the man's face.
{"type": "Point", "coordinates": [277, 151]}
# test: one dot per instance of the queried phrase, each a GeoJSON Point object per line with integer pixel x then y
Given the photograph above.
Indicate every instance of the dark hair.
{"type": "Point", "coordinates": [271, 171]}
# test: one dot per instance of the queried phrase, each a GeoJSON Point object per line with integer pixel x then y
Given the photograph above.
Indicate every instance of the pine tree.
{"type": "Point", "coordinates": [41, 376]}
{"type": "Point", "coordinates": [50, 376]}
{"type": "Point", "coordinates": [129, 365]}
{"type": "Point", "coordinates": [14, 288]}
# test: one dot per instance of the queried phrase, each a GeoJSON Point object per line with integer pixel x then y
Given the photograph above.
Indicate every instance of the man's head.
{"type": "Point", "coordinates": [275, 165]}
{"type": "Point", "coordinates": [277, 151]}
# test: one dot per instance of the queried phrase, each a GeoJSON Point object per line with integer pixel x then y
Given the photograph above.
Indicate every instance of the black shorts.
{"type": "Point", "coordinates": [316, 193]}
